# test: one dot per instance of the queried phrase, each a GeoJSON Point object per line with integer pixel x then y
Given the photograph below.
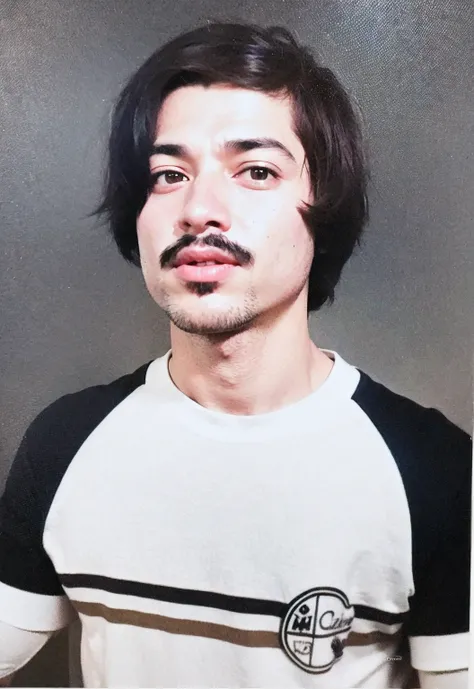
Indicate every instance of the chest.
{"type": "Point", "coordinates": [271, 519]}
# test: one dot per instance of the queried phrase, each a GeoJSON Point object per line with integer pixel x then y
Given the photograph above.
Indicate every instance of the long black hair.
{"type": "Point", "coordinates": [271, 61]}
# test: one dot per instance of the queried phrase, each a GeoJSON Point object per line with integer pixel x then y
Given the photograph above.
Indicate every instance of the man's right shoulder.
{"type": "Point", "coordinates": [86, 408]}
{"type": "Point", "coordinates": [58, 431]}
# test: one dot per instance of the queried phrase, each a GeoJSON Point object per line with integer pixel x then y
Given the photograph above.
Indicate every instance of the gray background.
{"type": "Point", "coordinates": [75, 314]}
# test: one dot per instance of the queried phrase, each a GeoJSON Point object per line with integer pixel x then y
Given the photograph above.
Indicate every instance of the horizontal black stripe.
{"type": "Point", "coordinates": [363, 612]}
{"type": "Point", "coordinates": [208, 599]}
{"type": "Point", "coordinates": [205, 599]}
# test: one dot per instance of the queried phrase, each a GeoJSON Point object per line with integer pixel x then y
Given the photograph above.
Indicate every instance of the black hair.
{"type": "Point", "coordinates": [271, 61]}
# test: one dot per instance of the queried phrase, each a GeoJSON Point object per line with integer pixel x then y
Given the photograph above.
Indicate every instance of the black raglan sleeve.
{"type": "Point", "coordinates": [438, 625]}
{"type": "Point", "coordinates": [31, 596]}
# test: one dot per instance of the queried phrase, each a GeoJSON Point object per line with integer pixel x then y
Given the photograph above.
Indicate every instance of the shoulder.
{"type": "Point", "coordinates": [419, 437]}
{"type": "Point", "coordinates": [55, 435]}
{"type": "Point", "coordinates": [433, 456]}
{"type": "Point", "coordinates": [67, 421]}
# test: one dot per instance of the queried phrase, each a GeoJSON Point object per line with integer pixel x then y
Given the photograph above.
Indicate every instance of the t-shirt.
{"type": "Point", "coordinates": [324, 544]}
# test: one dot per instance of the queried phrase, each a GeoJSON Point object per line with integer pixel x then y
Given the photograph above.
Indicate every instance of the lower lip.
{"type": "Point", "coordinates": [205, 273]}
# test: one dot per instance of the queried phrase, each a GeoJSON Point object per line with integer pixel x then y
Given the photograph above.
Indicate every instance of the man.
{"type": "Point", "coordinates": [248, 510]}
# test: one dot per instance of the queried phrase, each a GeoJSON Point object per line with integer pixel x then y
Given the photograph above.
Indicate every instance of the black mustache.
{"type": "Point", "coordinates": [214, 241]}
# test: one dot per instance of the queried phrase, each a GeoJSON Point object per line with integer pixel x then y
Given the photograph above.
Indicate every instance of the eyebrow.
{"type": "Point", "coordinates": [233, 146]}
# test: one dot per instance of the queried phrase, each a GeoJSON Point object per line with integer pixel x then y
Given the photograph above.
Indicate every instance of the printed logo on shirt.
{"type": "Point", "coordinates": [313, 631]}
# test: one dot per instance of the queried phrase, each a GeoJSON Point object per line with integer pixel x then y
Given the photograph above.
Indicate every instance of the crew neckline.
{"type": "Point", "coordinates": [298, 416]}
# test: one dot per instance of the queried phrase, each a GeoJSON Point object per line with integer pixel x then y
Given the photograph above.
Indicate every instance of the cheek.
{"type": "Point", "coordinates": [288, 229]}
{"type": "Point", "coordinates": [270, 216]}
{"type": "Point", "coordinates": [277, 234]}
{"type": "Point", "coordinates": [148, 232]}
{"type": "Point", "coordinates": [144, 221]}
{"type": "Point", "coordinates": [295, 247]}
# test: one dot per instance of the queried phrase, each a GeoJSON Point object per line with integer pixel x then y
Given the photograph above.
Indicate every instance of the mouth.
{"type": "Point", "coordinates": [207, 271]}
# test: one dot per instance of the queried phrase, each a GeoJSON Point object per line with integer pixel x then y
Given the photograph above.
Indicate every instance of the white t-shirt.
{"type": "Point", "coordinates": [325, 544]}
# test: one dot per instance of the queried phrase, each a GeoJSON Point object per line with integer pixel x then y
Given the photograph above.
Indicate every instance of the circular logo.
{"type": "Point", "coordinates": [315, 627]}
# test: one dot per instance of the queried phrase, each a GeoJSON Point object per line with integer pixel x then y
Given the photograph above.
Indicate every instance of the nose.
{"type": "Point", "coordinates": [205, 206]}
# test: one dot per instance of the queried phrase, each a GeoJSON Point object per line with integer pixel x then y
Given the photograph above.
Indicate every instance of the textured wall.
{"type": "Point", "coordinates": [74, 314]}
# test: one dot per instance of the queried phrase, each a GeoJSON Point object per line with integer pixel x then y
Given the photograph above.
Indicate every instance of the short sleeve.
{"type": "Point", "coordinates": [31, 596]}
{"type": "Point", "coordinates": [438, 626]}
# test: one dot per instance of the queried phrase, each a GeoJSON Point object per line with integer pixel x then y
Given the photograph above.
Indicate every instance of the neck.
{"type": "Point", "coordinates": [255, 371]}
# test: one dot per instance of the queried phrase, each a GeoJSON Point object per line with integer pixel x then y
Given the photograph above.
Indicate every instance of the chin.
{"type": "Point", "coordinates": [206, 320]}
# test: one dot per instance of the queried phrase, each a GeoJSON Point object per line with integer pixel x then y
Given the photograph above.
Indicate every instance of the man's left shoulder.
{"type": "Point", "coordinates": [423, 440]}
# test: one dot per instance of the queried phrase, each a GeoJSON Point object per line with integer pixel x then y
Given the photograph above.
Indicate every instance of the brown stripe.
{"type": "Point", "coordinates": [241, 637]}
{"type": "Point", "coordinates": [356, 639]}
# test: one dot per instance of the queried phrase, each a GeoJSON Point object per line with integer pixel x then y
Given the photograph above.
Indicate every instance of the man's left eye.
{"type": "Point", "coordinates": [260, 173]}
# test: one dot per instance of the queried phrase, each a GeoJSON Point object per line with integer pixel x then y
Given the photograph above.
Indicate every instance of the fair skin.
{"type": "Point", "coordinates": [243, 345]}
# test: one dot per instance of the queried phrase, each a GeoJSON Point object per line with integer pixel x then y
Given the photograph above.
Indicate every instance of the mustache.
{"type": "Point", "coordinates": [216, 241]}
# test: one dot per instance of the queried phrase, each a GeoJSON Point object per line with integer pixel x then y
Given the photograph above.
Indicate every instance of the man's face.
{"type": "Point", "coordinates": [213, 196]}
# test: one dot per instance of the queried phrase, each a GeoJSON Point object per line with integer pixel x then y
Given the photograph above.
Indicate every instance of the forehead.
{"type": "Point", "coordinates": [194, 114]}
